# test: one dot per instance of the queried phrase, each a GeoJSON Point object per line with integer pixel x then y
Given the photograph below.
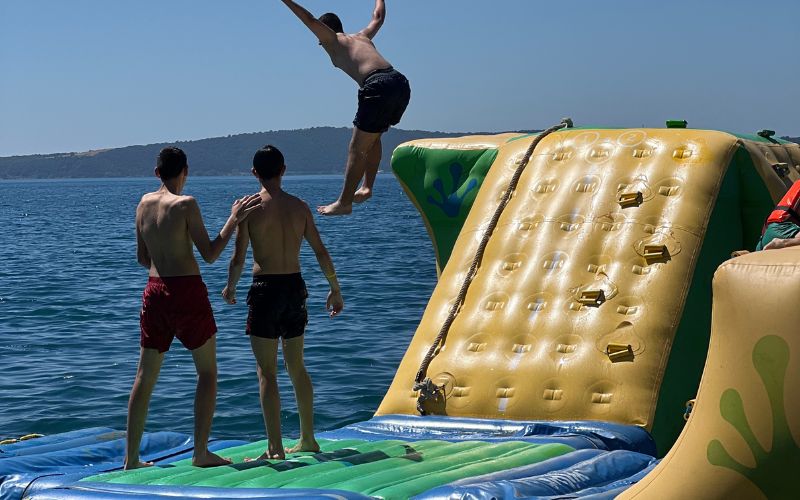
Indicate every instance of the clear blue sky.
{"type": "Point", "coordinates": [86, 74]}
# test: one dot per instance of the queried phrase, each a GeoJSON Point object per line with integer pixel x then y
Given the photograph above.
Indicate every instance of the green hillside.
{"type": "Point", "coordinates": [320, 150]}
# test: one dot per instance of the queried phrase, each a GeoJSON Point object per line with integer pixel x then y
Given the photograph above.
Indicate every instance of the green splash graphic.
{"type": "Point", "coordinates": [775, 473]}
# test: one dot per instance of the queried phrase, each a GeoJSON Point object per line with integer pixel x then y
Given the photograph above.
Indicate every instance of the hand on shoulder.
{"type": "Point", "coordinates": [244, 206]}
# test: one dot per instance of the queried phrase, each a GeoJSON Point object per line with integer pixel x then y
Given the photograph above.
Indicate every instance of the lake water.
{"type": "Point", "coordinates": [70, 295]}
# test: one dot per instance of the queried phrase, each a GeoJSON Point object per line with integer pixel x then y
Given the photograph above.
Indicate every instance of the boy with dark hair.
{"type": "Point", "coordinates": [382, 97]}
{"type": "Point", "coordinates": [175, 301]}
{"type": "Point", "coordinates": [332, 21]}
{"type": "Point", "coordinates": [277, 298]}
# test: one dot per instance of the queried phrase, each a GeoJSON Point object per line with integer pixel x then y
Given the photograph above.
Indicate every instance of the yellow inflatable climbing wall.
{"type": "Point", "coordinates": [574, 310]}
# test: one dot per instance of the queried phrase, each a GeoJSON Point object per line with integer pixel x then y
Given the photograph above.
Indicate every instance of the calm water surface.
{"type": "Point", "coordinates": [70, 294]}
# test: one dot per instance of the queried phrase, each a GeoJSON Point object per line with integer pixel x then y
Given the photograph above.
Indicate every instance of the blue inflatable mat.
{"type": "Point", "coordinates": [67, 457]}
{"type": "Point", "coordinates": [95, 491]}
{"type": "Point", "coordinates": [607, 459]}
{"type": "Point", "coordinates": [582, 473]}
{"type": "Point", "coordinates": [578, 434]}
{"type": "Point", "coordinates": [64, 440]}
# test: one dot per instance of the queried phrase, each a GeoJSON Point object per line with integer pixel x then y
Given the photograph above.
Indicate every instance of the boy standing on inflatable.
{"type": "Point", "coordinates": [277, 297]}
{"type": "Point", "coordinates": [382, 97]}
{"type": "Point", "coordinates": [175, 301]}
{"type": "Point", "coordinates": [782, 228]}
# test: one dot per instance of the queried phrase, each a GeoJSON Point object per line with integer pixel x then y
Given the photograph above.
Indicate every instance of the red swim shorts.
{"type": "Point", "coordinates": [176, 306]}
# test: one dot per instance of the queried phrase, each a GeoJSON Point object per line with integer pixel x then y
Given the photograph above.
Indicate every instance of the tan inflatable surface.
{"type": "Point", "coordinates": [595, 252]}
{"type": "Point", "coordinates": [743, 437]}
{"type": "Point", "coordinates": [771, 157]}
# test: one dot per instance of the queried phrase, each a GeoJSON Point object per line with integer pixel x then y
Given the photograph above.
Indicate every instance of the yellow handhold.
{"type": "Point", "coordinates": [656, 252]}
{"type": "Point", "coordinates": [8, 441]}
{"type": "Point", "coordinates": [592, 297]}
{"type": "Point", "coordinates": [626, 200]}
{"type": "Point", "coordinates": [618, 353]}
{"type": "Point", "coordinates": [681, 154]}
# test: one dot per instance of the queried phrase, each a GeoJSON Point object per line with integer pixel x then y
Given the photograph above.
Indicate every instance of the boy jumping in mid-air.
{"type": "Point", "coordinates": [277, 298]}
{"type": "Point", "coordinates": [382, 97]}
{"type": "Point", "coordinates": [175, 301]}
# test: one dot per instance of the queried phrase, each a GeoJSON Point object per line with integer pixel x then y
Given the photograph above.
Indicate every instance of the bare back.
{"type": "Point", "coordinates": [276, 232]}
{"type": "Point", "coordinates": [356, 55]}
{"type": "Point", "coordinates": [163, 226]}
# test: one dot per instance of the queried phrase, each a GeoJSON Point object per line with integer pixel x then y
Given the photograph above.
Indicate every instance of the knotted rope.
{"type": "Point", "coordinates": [427, 389]}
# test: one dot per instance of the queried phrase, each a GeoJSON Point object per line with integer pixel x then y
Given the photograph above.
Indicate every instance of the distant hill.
{"type": "Point", "coordinates": [319, 150]}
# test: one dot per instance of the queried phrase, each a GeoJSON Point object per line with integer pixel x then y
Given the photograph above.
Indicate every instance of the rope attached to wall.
{"type": "Point", "coordinates": [428, 390]}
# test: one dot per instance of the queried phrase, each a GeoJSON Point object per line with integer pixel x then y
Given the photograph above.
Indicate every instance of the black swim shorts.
{"type": "Point", "coordinates": [382, 100]}
{"type": "Point", "coordinates": [277, 306]}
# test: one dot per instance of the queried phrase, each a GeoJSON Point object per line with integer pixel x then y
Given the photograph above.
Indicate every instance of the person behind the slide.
{"type": "Point", "coordinates": [175, 302]}
{"type": "Point", "coordinates": [782, 227]}
{"type": "Point", "coordinates": [382, 97]}
{"type": "Point", "coordinates": [277, 297]}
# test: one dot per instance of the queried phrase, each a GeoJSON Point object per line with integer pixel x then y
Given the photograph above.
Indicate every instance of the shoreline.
{"type": "Point", "coordinates": [23, 180]}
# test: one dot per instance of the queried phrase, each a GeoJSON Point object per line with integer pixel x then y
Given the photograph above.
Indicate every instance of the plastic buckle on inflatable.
{"type": "Point", "coordinates": [619, 352]}
{"type": "Point", "coordinates": [765, 133]}
{"type": "Point", "coordinates": [626, 200]}
{"type": "Point", "coordinates": [592, 297]}
{"type": "Point", "coordinates": [655, 252]}
{"type": "Point", "coordinates": [689, 407]}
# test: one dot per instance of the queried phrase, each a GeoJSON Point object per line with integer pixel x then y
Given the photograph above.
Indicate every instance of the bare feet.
{"type": "Point", "coordinates": [137, 464]}
{"type": "Point", "coordinates": [311, 446]}
{"type": "Point", "coordinates": [268, 455]}
{"type": "Point", "coordinates": [209, 459]}
{"type": "Point", "coordinates": [362, 195]}
{"type": "Point", "coordinates": [335, 208]}
{"type": "Point", "coordinates": [739, 253]}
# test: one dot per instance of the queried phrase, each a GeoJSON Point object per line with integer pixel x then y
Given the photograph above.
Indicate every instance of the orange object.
{"type": "Point", "coordinates": [788, 208]}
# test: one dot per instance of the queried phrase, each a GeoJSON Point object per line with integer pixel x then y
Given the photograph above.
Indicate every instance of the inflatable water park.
{"type": "Point", "coordinates": [590, 336]}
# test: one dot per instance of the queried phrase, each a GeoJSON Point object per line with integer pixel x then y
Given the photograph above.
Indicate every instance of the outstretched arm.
{"type": "Point", "coordinates": [324, 34]}
{"type": "Point", "coordinates": [237, 263]}
{"type": "Point", "coordinates": [777, 243]}
{"type": "Point", "coordinates": [378, 15]}
{"type": "Point", "coordinates": [210, 250]}
{"type": "Point", "coordinates": [335, 303]}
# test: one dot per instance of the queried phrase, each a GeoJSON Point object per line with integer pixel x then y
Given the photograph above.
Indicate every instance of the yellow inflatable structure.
{"type": "Point", "coordinates": [592, 299]}
{"type": "Point", "coordinates": [743, 437]}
